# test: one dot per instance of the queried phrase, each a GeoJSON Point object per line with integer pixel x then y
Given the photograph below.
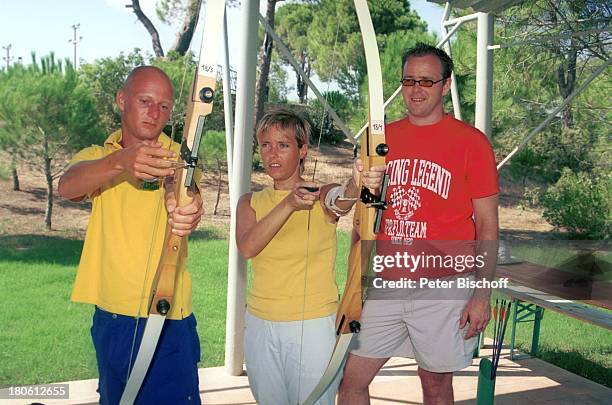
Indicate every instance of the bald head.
{"type": "Point", "coordinates": [148, 73]}
{"type": "Point", "coordinates": [145, 102]}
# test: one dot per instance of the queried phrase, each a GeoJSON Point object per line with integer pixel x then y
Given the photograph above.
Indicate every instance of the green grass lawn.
{"type": "Point", "coordinates": [45, 337]}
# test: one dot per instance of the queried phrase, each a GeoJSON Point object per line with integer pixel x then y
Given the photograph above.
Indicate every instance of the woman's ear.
{"type": "Point", "coordinates": [304, 151]}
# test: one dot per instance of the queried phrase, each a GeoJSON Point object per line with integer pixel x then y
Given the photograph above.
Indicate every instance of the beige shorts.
{"type": "Point", "coordinates": [423, 326]}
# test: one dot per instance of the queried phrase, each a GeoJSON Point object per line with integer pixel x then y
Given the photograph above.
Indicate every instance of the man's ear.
{"type": "Point", "coordinates": [447, 85]}
{"type": "Point", "coordinates": [120, 99]}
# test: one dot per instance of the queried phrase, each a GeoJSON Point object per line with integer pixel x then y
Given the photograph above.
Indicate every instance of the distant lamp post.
{"type": "Point", "coordinates": [8, 56]}
{"type": "Point", "coordinates": [74, 41]}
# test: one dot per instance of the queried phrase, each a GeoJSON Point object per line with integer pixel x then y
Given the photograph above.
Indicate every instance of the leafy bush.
{"type": "Point", "coordinates": [532, 197]}
{"type": "Point", "coordinates": [322, 124]}
{"type": "Point", "coordinates": [213, 147]}
{"type": "Point", "coordinates": [580, 203]}
{"type": "Point", "coordinates": [256, 165]}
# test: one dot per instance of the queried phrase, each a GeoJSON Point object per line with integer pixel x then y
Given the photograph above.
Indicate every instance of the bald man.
{"type": "Point", "coordinates": [124, 240]}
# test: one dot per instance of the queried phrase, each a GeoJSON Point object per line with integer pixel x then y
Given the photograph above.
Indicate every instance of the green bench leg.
{"type": "Point", "coordinates": [521, 307]}
{"type": "Point", "coordinates": [535, 338]}
{"type": "Point", "coordinates": [514, 321]}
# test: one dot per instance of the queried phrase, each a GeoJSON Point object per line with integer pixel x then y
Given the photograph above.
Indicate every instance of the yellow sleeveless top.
{"type": "Point", "coordinates": [294, 275]}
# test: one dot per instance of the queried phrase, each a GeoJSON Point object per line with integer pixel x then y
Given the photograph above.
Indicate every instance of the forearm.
{"type": "Point", "coordinates": [253, 241]}
{"type": "Point", "coordinates": [487, 234]}
{"type": "Point", "coordinates": [351, 194]}
{"type": "Point", "coordinates": [85, 177]}
{"type": "Point", "coordinates": [487, 250]}
{"type": "Point", "coordinates": [340, 199]}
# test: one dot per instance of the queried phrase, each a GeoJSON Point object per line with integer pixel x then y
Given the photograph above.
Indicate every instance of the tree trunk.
{"type": "Point", "coordinates": [49, 179]}
{"type": "Point", "coordinates": [302, 87]}
{"type": "Point", "coordinates": [185, 34]}
{"type": "Point", "coordinates": [261, 91]}
{"type": "Point", "coordinates": [566, 79]}
{"type": "Point", "coordinates": [14, 174]}
{"type": "Point", "coordinates": [157, 48]}
{"type": "Point", "coordinates": [218, 186]}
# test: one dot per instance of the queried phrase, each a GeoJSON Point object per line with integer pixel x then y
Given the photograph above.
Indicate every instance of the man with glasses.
{"type": "Point", "coordinates": [442, 187]}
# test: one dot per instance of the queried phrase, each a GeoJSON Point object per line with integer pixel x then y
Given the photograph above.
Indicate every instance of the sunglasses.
{"type": "Point", "coordinates": [423, 82]}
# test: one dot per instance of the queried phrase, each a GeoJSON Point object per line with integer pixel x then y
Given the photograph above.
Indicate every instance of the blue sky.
{"type": "Point", "coordinates": [107, 27]}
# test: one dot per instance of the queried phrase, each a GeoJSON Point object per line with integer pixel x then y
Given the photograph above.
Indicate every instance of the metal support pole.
{"type": "Point", "coordinates": [241, 183]}
{"type": "Point", "coordinates": [484, 74]}
{"type": "Point", "coordinates": [461, 20]}
{"type": "Point", "coordinates": [446, 44]}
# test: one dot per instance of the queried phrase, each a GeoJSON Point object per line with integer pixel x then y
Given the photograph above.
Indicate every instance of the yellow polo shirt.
{"type": "Point", "coordinates": [294, 275]}
{"type": "Point", "coordinates": [124, 242]}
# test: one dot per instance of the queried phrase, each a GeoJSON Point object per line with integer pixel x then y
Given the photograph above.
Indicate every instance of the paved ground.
{"type": "Point", "coordinates": [529, 381]}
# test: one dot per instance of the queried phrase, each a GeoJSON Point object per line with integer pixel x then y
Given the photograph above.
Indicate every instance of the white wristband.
{"type": "Point", "coordinates": [337, 193]}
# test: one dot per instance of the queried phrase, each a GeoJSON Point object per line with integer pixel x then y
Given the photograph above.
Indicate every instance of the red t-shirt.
{"type": "Point", "coordinates": [435, 171]}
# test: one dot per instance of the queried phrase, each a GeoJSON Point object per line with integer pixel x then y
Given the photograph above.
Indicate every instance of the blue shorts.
{"type": "Point", "coordinates": [173, 374]}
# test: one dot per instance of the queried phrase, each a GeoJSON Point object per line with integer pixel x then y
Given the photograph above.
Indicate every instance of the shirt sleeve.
{"type": "Point", "coordinates": [481, 168]}
{"type": "Point", "coordinates": [92, 152]}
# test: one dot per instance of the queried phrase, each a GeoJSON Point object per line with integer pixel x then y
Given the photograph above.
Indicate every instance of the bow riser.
{"type": "Point", "coordinates": [165, 278]}
{"type": "Point", "coordinates": [197, 110]}
{"type": "Point", "coordinates": [200, 106]}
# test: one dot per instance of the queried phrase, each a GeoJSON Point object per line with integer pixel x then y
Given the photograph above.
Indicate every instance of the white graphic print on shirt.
{"type": "Point", "coordinates": [407, 178]}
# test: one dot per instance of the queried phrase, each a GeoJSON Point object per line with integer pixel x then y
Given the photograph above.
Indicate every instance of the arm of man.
{"type": "Point", "coordinates": [145, 160]}
{"type": "Point", "coordinates": [478, 309]}
{"type": "Point", "coordinates": [343, 197]}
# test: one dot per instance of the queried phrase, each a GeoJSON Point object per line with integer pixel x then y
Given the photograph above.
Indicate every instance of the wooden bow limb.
{"type": "Point", "coordinates": [368, 212]}
{"type": "Point", "coordinates": [164, 282]}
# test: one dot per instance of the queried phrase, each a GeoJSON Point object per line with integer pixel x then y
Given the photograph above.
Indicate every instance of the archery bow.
{"type": "Point", "coordinates": [368, 212]}
{"type": "Point", "coordinates": [199, 106]}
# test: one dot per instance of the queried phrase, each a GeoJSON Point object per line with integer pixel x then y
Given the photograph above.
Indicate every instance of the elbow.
{"type": "Point", "coordinates": [61, 188]}
{"type": "Point", "coordinates": [246, 253]}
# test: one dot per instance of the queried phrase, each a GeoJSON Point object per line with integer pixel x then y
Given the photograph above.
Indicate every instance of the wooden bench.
{"type": "Point", "coordinates": [536, 288]}
{"type": "Point", "coordinates": [529, 304]}
{"type": "Point", "coordinates": [560, 283]}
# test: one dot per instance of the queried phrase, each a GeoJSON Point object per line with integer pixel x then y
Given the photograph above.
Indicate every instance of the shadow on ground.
{"type": "Point", "coordinates": [40, 249]}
